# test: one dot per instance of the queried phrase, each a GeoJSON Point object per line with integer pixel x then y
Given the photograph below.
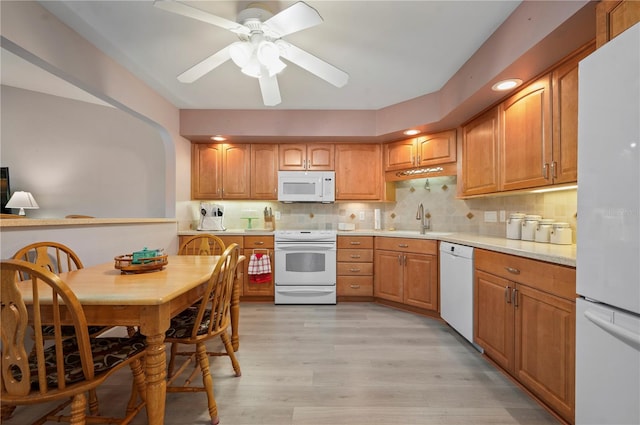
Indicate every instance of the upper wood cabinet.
{"type": "Point", "coordinates": [613, 17]}
{"type": "Point", "coordinates": [421, 151]}
{"type": "Point", "coordinates": [306, 156]}
{"type": "Point", "coordinates": [564, 87]}
{"type": "Point", "coordinates": [525, 123]}
{"type": "Point", "coordinates": [264, 171]}
{"type": "Point", "coordinates": [359, 172]}
{"type": "Point", "coordinates": [479, 163]}
{"type": "Point", "coordinates": [206, 171]}
{"type": "Point", "coordinates": [236, 171]}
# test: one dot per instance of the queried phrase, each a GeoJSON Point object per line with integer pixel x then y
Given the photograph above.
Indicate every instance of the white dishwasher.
{"type": "Point", "coordinates": [456, 288]}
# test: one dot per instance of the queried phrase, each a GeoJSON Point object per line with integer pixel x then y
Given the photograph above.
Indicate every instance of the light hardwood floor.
{"type": "Point", "coordinates": [349, 364]}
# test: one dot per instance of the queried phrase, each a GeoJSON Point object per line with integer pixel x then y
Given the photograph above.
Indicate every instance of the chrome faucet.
{"type": "Point", "coordinates": [425, 223]}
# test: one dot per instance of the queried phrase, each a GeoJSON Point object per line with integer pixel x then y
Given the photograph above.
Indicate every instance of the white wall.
{"type": "Point", "coordinates": [81, 158]}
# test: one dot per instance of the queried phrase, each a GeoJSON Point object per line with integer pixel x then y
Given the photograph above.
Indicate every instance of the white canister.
{"type": "Point", "coordinates": [514, 225]}
{"type": "Point", "coordinates": [529, 225]}
{"type": "Point", "coordinates": [561, 234]}
{"type": "Point", "coordinates": [543, 231]}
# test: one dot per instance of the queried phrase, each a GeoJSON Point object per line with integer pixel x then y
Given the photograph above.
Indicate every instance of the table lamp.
{"type": "Point", "coordinates": [22, 200]}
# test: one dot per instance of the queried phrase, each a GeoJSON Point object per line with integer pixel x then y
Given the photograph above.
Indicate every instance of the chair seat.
{"type": "Point", "coordinates": [67, 331]}
{"type": "Point", "coordinates": [182, 325]}
{"type": "Point", "coordinates": [107, 354]}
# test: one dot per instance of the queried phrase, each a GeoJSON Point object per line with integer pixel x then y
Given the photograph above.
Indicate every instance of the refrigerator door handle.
{"type": "Point", "coordinates": [631, 338]}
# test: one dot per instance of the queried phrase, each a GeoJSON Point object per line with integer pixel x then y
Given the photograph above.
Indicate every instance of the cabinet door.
{"type": "Point", "coordinates": [264, 171]}
{"type": "Point", "coordinates": [358, 172]}
{"type": "Point", "coordinates": [236, 172]}
{"type": "Point", "coordinates": [480, 154]}
{"type": "Point", "coordinates": [436, 148]}
{"type": "Point", "coordinates": [525, 156]}
{"type": "Point", "coordinates": [493, 318]}
{"type": "Point", "coordinates": [421, 281]}
{"type": "Point", "coordinates": [399, 155]}
{"type": "Point", "coordinates": [254, 289]}
{"type": "Point", "coordinates": [564, 79]}
{"type": "Point", "coordinates": [388, 278]}
{"type": "Point", "coordinates": [320, 157]}
{"type": "Point", "coordinates": [206, 171]}
{"type": "Point", "coordinates": [613, 17]}
{"type": "Point", "coordinates": [545, 348]}
{"type": "Point", "coordinates": [292, 156]}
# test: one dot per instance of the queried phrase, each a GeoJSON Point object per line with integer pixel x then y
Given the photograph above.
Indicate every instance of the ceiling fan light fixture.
{"type": "Point", "coordinates": [252, 68]}
{"type": "Point", "coordinates": [268, 54]}
{"type": "Point", "coordinates": [240, 53]}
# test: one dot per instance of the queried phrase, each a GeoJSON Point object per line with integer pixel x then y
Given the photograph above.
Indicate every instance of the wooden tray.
{"type": "Point", "coordinates": [125, 264]}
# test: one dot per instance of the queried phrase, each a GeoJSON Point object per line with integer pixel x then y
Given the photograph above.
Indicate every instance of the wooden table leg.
{"type": "Point", "coordinates": [155, 368]}
{"type": "Point", "coordinates": [235, 310]}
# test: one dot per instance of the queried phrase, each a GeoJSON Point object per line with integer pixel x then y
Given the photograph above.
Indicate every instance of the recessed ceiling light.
{"type": "Point", "coordinates": [506, 84]}
{"type": "Point", "coordinates": [412, 132]}
{"type": "Point", "coordinates": [218, 138]}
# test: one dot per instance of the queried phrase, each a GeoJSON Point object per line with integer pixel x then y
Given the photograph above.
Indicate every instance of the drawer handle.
{"type": "Point", "coordinates": [403, 245]}
{"type": "Point", "coordinates": [259, 243]}
{"type": "Point", "coordinates": [354, 286]}
{"type": "Point", "coordinates": [355, 243]}
{"type": "Point", "coordinates": [355, 255]}
{"type": "Point", "coordinates": [354, 270]}
{"type": "Point", "coordinates": [507, 296]}
{"type": "Point", "coordinates": [512, 270]}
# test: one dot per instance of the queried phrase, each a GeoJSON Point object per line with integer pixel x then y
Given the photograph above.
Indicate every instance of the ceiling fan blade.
{"type": "Point", "coordinates": [313, 64]}
{"type": "Point", "coordinates": [207, 65]}
{"type": "Point", "coordinates": [191, 12]}
{"type": "Point", "coordinates": [293, 19]}
{"type": "Point", "coordinates": [270, 90]}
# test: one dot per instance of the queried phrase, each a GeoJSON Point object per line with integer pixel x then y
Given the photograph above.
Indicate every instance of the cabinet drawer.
{"type": "Point", "coordinates": [355, 286]}
{"type": "Point", "coordinates": [552, 278]}
{"type": "Point", "coordinates": [350, 269]}
{"type": "Point", "coordinates": [355, 255]}
{"type": "Point", "coordinates": [228, 240]}
{"type": "Point", "coordinates": [355, 242]}
{"type": "Point", "coordinates": [420, 246]}
{"type": "Point", "coordinates": [258, 241]}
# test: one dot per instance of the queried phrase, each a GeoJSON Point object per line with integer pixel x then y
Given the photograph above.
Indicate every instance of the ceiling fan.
{"type": "Point", "coordinates": [261, 47]}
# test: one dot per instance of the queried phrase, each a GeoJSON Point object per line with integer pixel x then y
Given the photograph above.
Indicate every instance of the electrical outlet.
{"type": "Point", "coordinates": [503, 216]}
{"type": "Point", "coordinates": [361, 215]}
{"type": "Point", "coordinates": [490, 217]}
{"type": "Point", "coordinates": [277, 214]}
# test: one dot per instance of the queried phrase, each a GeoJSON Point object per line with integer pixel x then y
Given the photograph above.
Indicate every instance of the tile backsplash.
{"type": "Point", "coordinates": [437, 194]}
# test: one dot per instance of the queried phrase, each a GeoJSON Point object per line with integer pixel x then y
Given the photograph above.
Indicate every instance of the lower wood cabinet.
{"type": "Point", "coordinates": [407, 272]}
{"type": "Point", "coordinates": [355, 266]}
{"type": "Point", "coordinates": [525, 322]}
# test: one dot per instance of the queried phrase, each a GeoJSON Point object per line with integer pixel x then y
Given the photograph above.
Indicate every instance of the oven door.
{"type": "Point", "coordinates": [305, 264]}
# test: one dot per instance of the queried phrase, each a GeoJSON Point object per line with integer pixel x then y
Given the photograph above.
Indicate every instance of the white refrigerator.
{"type": "Point", "coordinates": [608, 254]}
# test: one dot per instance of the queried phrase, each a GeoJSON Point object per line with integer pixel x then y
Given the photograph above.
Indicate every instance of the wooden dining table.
{"type": "Point", "coordinates": [148, 301]}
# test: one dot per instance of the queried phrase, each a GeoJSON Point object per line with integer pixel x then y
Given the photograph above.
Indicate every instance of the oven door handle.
{"type": "Point", "coordinates": [304, 291]}
{"type": "Point", "coordinates": [305, 247]}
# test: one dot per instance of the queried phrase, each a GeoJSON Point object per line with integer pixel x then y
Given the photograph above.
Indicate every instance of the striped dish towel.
{"type": "Point", "coordinates": [259, 268]}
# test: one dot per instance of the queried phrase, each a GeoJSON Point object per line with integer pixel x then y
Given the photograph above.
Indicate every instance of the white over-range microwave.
{"type": "Point", "coordinates": [307, 186]}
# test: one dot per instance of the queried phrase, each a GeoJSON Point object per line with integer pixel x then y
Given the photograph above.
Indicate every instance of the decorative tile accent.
{"type": "Point", "coordinates": [353, 216]}
{"type": "Point", "coordinates": [469, 216]}
{"type": "Point", "coordinates": [311, 215]}
{"type": "Point", "coordinates": [445, 187]}
{"type": "Point", "coordinates": [393, 215]}
{"type": "Point", "coordinates": [428, 215]}
{"type": "Point", "coordinates": [412, 189]}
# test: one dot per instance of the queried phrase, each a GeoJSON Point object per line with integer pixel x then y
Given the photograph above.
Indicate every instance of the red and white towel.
{"type": "Point", "coordinates": [259, 268]}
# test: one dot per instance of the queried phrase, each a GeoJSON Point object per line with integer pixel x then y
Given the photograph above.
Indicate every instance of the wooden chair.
{"type": "Point", "coordinates": [204, 244]}
{"type": "Point", "coordinates": [60, 368]}
{"type": "Point", "coordinates": [58, 258]}
{"type": "Point", "coordinates": [199, 324]}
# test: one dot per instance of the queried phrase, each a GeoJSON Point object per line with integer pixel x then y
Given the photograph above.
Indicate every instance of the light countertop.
{"type": "Point", "coordinates": [552, 253]}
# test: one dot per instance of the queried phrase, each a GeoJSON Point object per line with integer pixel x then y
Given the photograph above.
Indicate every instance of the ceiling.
{"type": "Point", "coordinates": [393, 50]}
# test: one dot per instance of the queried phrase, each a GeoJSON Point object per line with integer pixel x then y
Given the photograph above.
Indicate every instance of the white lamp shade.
{"type": "Point", "coordinates": [22, 200]}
